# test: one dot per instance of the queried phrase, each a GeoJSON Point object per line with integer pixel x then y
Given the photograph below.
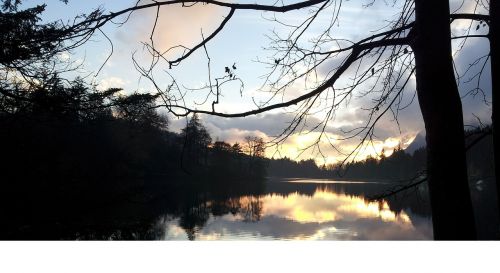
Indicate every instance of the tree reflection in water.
{"type": "Point", "coordinates": [307, 211]}
{"type": "Point", "coordinates": [265, 210]}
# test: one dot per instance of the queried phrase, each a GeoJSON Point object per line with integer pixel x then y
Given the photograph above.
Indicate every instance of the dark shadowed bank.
{"type": "Point", "coordinates": [70, 152]}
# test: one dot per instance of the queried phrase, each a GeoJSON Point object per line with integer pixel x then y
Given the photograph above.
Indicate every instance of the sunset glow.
{"type": "Point", "coordinates": [327, 206]}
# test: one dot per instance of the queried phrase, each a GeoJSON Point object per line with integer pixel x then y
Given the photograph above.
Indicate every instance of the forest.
{"type": "Point", "coordinates": [70, 147]}
{"type": "Point", "coordinates": [400, 166]}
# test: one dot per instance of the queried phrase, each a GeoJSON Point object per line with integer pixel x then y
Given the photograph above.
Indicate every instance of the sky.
{"type": "Point", "coordinates": [243, 42]}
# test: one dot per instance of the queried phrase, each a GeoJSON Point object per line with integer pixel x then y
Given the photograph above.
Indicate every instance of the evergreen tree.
{"type": "Point", "coordinates": [196, 140]}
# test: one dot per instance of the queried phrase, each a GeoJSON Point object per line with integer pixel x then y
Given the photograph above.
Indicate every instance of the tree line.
{"type": "Point", "coordinates": [74, 131]}
{"type": "Point", "coordinates": [400, 166]}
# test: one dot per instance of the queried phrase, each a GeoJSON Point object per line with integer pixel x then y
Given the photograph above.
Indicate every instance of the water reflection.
{"type": "Point", "coordinates": [234, 210]}
{"type": "Point", "coordinates": [325, 206]}
{"type": "Point", "coordinates": [322, 215]}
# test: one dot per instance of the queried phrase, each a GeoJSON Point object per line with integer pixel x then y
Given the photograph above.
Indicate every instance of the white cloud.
{"type": "Point", "coordinates": [111, 82]}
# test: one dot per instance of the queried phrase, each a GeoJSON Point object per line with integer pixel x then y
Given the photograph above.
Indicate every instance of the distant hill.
{"type": "Point", "coordinates": [417, 143]}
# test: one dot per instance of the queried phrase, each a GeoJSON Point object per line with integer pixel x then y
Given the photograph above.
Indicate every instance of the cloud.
{"type": "Point", "coordinates": [271, 124]}
{"type": "Point", "coordinates": [176, 25]}
{"type": "Point", "coordinates": [298, 145]}
{"type": "Point", "coordinates": [325, 215]}
{"type": "Point", "coordinates": [389, 132]}
{"type": "Point", "coordinates": [475, 104]}
{"type": "Point", "coordinates": [111, 82]}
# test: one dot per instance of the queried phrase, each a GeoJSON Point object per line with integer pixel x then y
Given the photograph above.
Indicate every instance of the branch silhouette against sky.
{"type": "Point", "coordinates": [309, 67]}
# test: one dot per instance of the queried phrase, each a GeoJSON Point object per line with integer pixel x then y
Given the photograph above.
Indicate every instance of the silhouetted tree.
{"type": "Point", "coordinates": [494, 38]}
{"type": "Point", "coordinates": [29, 48]}
{"type": "Point", "coordinates": [255, 149]}
{"type": "Point", "coordinates": [221, 157]}
{"type": "Point", "coordinates": [442, 112]}
{"type": "Point", "coordinates": [26, 43]}
{"type": "Point", "coordinates": [255, 146]}
{"type": "Point", "coordinates": [196, 141]}
{"type": "Point", "coordinates": [139, 108]}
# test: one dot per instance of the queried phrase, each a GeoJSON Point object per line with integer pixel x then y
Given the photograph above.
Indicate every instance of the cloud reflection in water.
{"type": "Point", "coordinates": [325, 215]}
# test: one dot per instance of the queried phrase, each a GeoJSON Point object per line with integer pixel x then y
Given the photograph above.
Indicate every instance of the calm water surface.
{"type": "Point", "coordinates": [272, 209]}
{"type": "Point", "coordinates": [301, 209]}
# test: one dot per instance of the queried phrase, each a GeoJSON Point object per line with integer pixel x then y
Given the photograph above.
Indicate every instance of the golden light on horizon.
{"type": "Point", "coordinates": [306, 146]}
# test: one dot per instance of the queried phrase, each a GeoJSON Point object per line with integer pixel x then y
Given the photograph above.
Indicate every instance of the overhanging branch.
{"type": "Point", "coordinates": [470, 16]}
{"type": "Point", "coordinates": [101, 20]}
{"type": "Point", "coordinates": [356, 52]}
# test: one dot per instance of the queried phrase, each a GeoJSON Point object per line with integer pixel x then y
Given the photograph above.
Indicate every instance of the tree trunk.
{"type": "Point", "coordinates": [452, 213]}
{"type": "Point", "coordinates": [495, 85]}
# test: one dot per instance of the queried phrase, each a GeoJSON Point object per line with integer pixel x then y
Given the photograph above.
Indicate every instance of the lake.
{"type": "Point", "coordinates": [201, 209]}
{"type": "Point", "coordinates": [302, 209]}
